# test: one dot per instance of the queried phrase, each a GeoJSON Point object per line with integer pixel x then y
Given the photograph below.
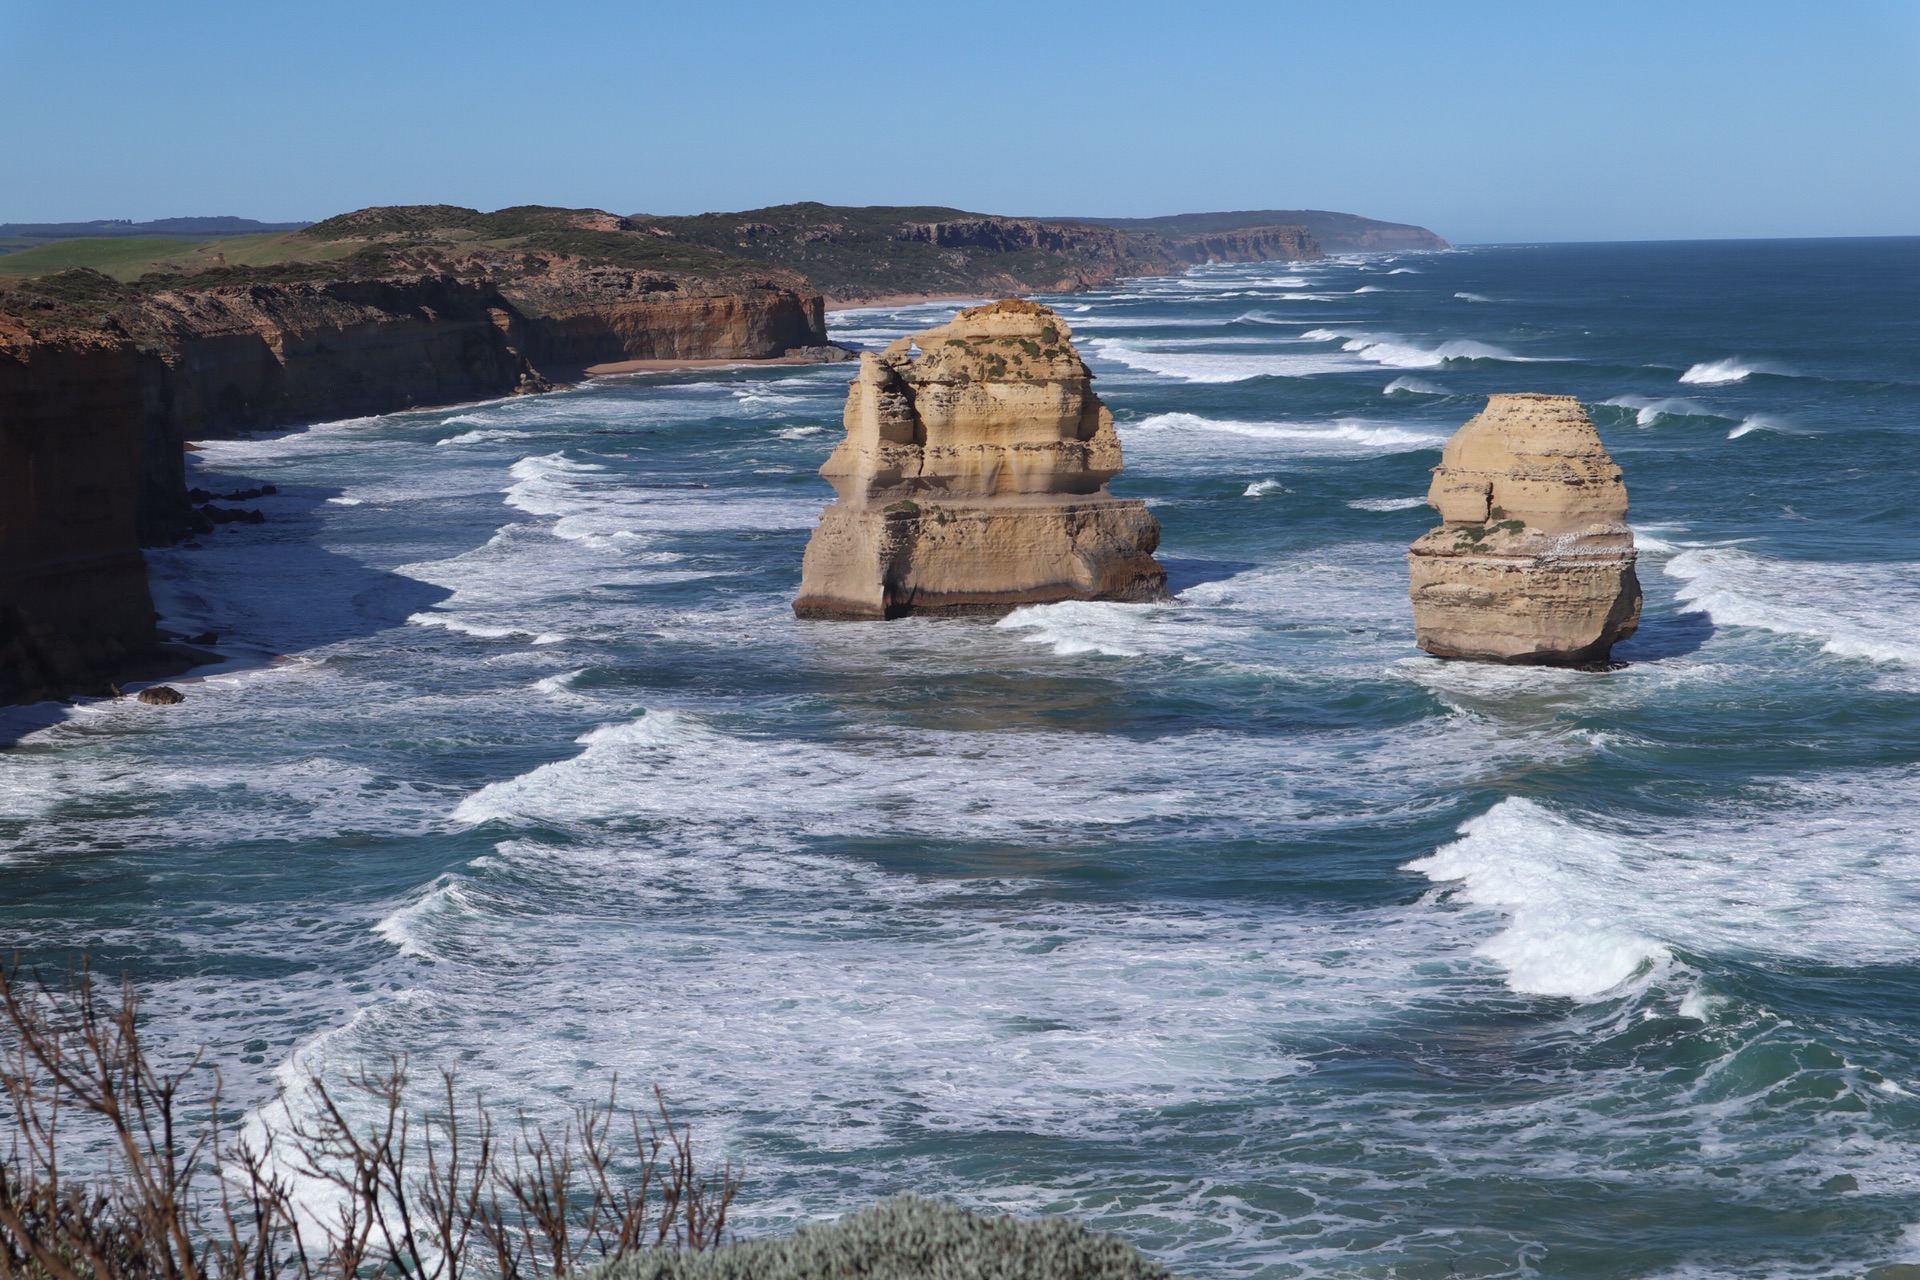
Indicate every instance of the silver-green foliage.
{"type": "Point", "coordinates": [907, 1239]}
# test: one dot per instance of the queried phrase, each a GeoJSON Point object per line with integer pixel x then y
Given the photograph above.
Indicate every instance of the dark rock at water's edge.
{"type": "Point", "coordinates": [161, 695]}
{"type": "Point", "coordinates": [906, 1239]}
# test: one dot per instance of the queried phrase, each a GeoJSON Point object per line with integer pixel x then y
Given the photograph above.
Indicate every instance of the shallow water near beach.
{"type": "Point", "coordinates": [1236, 925]}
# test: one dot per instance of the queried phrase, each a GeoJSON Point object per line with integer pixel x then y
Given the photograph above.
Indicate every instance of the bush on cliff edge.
{"type": "Point", "coordinates": [906, 1239]}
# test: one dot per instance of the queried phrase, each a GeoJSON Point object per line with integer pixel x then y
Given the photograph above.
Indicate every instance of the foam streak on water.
{"type": "Point", "coordinates": [1236, 924]}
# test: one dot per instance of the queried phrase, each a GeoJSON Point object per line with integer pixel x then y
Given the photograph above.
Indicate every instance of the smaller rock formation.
{"type": "Point", "coordinates": [161, 695]}
{"type": "Point", "coordinates": [1533, 560]}
{"type": "Point", "coordinates": [973, 480]}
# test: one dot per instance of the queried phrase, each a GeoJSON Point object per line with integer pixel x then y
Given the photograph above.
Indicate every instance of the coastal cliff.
{"type": "Point", "coordinates": [103, 383]}
{"type": "Point", "coordinates": [74, 605]}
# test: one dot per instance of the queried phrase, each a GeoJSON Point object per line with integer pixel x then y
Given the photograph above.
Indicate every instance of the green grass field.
{"type": "Point", "coordinates": [128, 259]}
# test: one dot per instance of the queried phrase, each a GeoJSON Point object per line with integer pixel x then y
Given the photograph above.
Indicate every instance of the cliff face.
{"type": "Point", "coordinates": [973, 480]}
{"type": "Point", "coordinates": [588, 316]}
{"type": "Point", "coordinates": [74, 606]}
{"type": "Point", "coordinates": [97, 406]}
{"type": "Point", "coordinates": [1533, 561]}
{"type": "Point", "coordinates": [1249, 244]}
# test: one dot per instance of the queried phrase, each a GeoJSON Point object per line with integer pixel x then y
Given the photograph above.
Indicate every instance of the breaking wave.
{"type": "Point", "coordinates": [1818, 871]}
{"type": "Point", "coordinates": [1719, 373]}
{"type": "Point", "coordinates": [1339, 436]}
{"type": "Point", "coordinates": [1404, 353]}
{"type": "Point", "coordinates": [1855, 610]}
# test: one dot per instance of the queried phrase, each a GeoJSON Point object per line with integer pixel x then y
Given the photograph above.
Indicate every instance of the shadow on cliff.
{"type": "Point", "coordinates": [265, 591]}
{"type": "Point", "coordinates": [1666, 635]}
{"type": "Point", "coordinates": [1183, 574]}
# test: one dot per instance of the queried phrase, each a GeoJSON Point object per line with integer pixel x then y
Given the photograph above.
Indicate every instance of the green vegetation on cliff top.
{"type": "Point", "coordinates": [846, 252]}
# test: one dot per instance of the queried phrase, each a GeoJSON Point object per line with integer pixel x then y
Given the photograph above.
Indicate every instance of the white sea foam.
{"type": "Point", "coordinates": [1341, 436]}
{"type": "Point", "coordinates": [486, 435]}
{"type": "Point", "coordinates": [1718, 373]}
{"type": "Point", "coordinates": [1265, 488]}
{"type": "Point", "coordinates": [1464, 296]}
{"type": "Point", "coordinates": [1537, 868]}
{"type": "Point", "coordinates": [677, 766]}
{"type": "Point", "coordinates": [1369, 288]}
{"type": "Point", "coordinates": [548, 485]}
{"type": "Point", "coordinates": [1763, 422]}
{"type": "Point", "coordinates": [1403, 271]}
{"type": "Point", "coordinates": [1413, 386]}
{"type": "Point", "coordinates": [1387, 504]}
{"type": "Point", "coordinates": [1855, 610]}
{"type": "Point", "coordinates": [1821, 870]}
{"type": "Point", "coordinates": [1207, 366]}
{"type": "Point", "coordinates": [799, 433]}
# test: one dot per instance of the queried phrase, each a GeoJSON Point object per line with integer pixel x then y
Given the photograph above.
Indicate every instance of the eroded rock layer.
{"type": "Point", "coordinates": [973, 480]}
{"type": "Point", "coordinates": [1533, 561]}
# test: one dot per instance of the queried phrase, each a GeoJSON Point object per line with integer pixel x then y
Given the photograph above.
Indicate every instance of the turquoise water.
{"type": "Point", "coordinates": [1237, 925]}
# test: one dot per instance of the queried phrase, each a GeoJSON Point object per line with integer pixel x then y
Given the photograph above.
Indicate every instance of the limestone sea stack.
{"type": "Point", "coordinates": [1533, 560]}
{"type": "Point", "coordinates": [973, 479]}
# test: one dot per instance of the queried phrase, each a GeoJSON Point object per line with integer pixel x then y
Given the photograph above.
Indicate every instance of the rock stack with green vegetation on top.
{"type": "Point", "coordinates": [973, 479]}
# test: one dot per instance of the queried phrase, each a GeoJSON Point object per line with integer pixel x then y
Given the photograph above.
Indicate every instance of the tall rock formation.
{"type": "Point", "coordinates": [1533, 560]}
{"type": "Point", "coordinates": [973, 480]}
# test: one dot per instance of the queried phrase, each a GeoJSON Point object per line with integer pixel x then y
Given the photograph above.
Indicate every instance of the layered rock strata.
{"type": "Point", "coordinates": [97, 403]}
{"type": "Point", "coordinates": [973, 479]}
{"type": "Point", "coordinates": [1533, 561]}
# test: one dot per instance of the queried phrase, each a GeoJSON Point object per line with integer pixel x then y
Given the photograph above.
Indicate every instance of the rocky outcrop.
{"type": "Point", "coordinates": [1533, 561]}
{"type": "Point", "coordinates": [973, 480]}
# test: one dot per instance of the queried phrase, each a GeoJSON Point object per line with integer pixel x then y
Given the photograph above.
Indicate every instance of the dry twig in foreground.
{"type": "Point", "coordinates": [349, 1183]}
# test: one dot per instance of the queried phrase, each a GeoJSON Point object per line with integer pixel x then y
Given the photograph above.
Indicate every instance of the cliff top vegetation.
{"type": "Point", "coordinates": [846, 252]}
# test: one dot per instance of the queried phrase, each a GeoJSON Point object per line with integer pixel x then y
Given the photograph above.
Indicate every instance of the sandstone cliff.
{"type": "Point", "coordinates": [102, 385]}
{"type": "Point", "coordinates": [1533, 561]}
{"type": "Point", "coordinates": [973, 479]}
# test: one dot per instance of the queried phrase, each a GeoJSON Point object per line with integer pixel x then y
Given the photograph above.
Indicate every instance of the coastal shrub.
{"type": "Point", "coordinates": [348, 1181]}
{"type": "Point", "coordinates": [907, 1239]}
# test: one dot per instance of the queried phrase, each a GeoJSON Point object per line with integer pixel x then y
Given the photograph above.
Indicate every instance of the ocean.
{"type": "Point", "coordinates": [1237, 925]}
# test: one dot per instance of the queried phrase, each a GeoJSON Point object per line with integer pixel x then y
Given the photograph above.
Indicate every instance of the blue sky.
{"type": "Point", "coordinates": [1485, 121]}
